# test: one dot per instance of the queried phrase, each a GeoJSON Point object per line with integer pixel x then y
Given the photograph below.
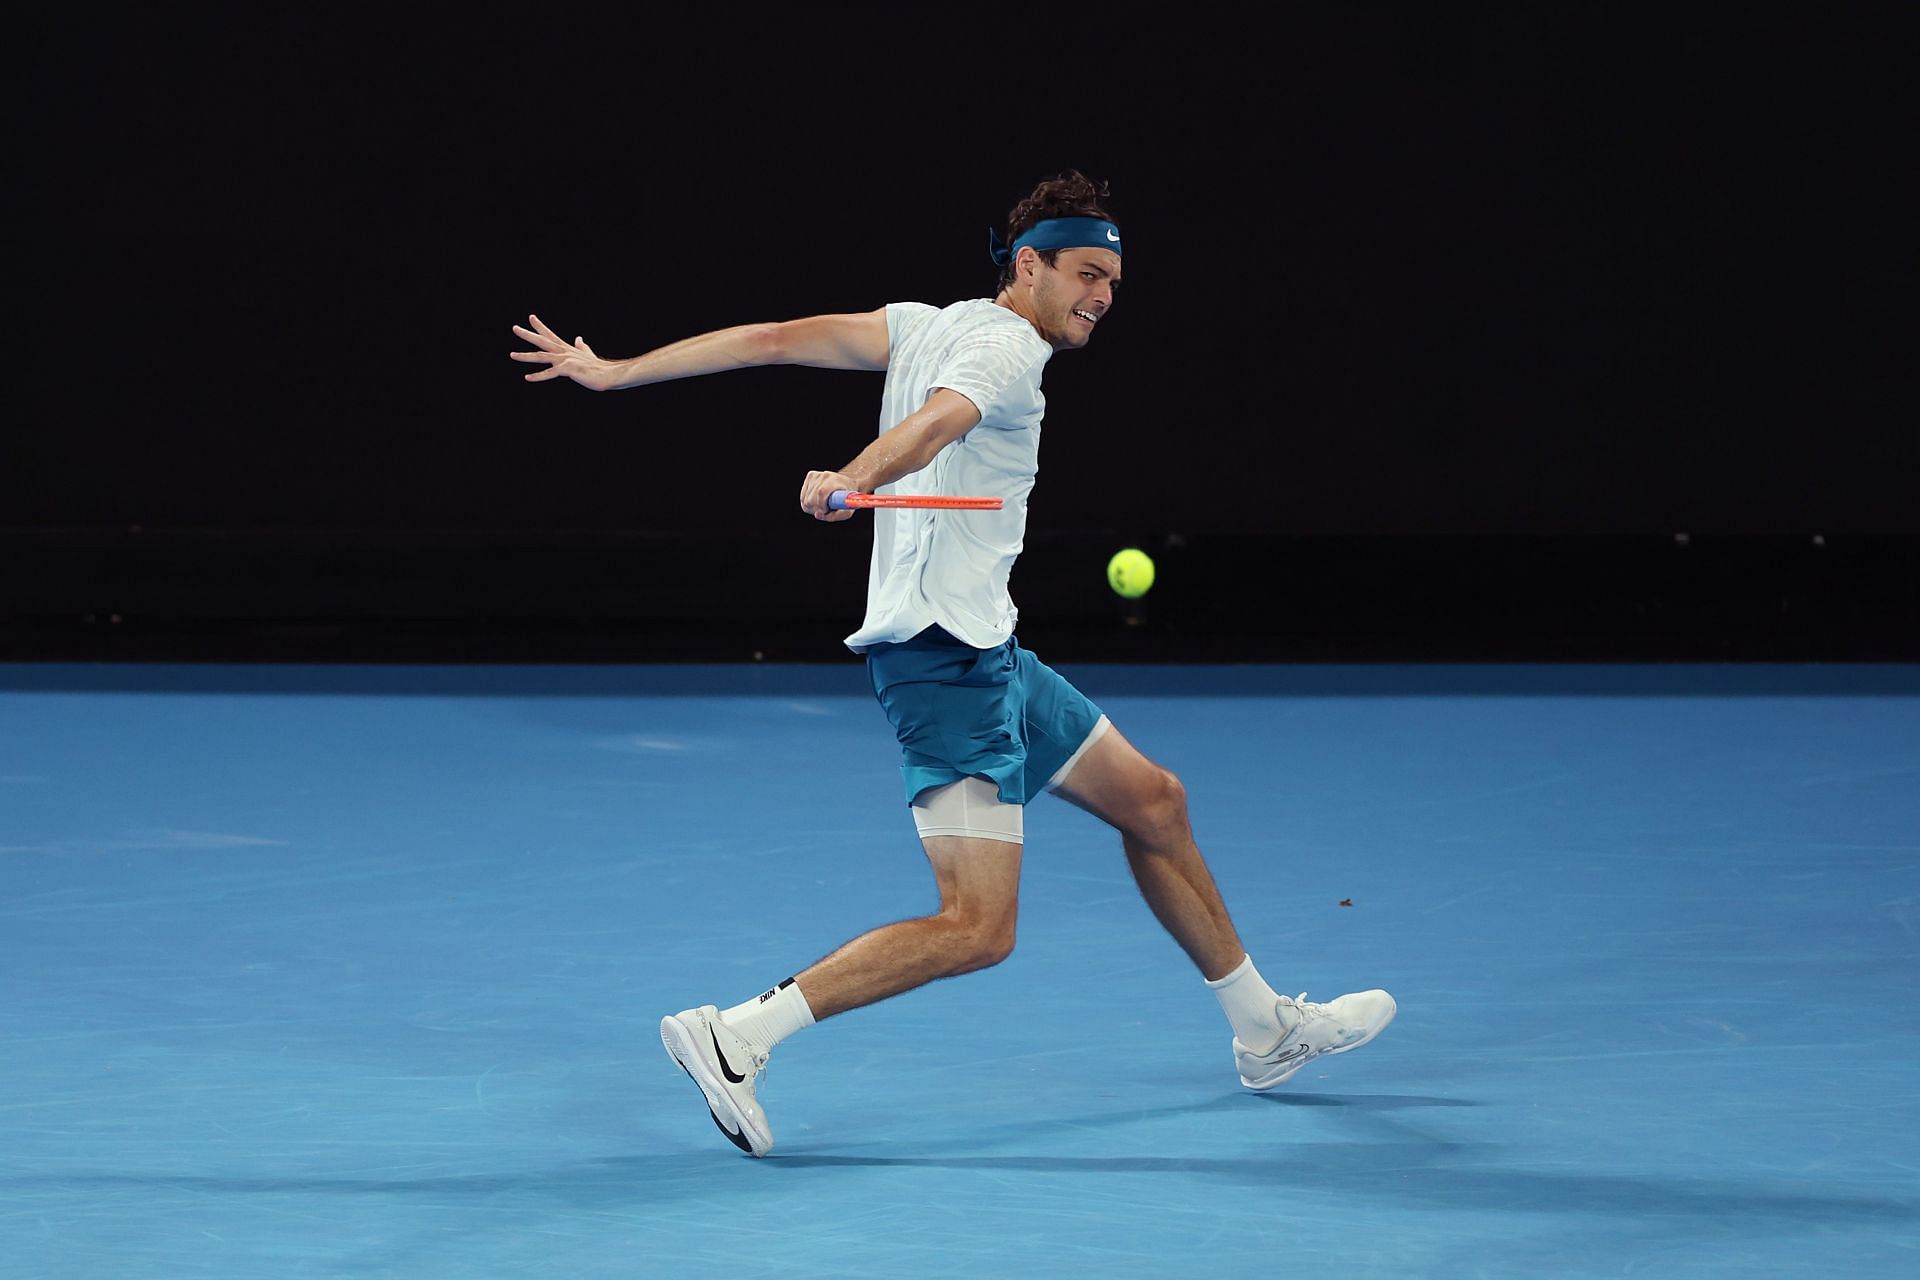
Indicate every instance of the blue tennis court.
{"type": "Point", "coordinates": [357, 972]}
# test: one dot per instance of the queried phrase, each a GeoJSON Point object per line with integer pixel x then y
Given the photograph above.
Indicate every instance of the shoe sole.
{"type": "Point", "coordinates": [680, 1047]}
{"type": "Point", "coordinates": [1324, 1053]}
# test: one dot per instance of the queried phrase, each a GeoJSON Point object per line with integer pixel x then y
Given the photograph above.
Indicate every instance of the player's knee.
{"type": "Point", "coordinates": [995, 946]}
{"type": "Point", "coordinates": [989, 955]}
{"type": "Point", "coordinates": [982, 942]}
{"type": "Point", "coordinates": [991, 941]}
{"type": "Point", "coordinates": [1161, 806]}
{"type": "Point", "coordinates": [1174, 795]}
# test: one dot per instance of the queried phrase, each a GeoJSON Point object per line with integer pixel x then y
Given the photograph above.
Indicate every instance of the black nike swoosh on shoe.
{"type": "Point", "coordinates": [726, 1068]}
{"type": "Point", "coordinates": [737, 1139]}
{"type": "Point", "coordinates": [1298, 1051]}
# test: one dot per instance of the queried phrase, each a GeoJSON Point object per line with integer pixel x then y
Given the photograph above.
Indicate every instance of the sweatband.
{"type": "Point", "coordinates": [1056, 233]}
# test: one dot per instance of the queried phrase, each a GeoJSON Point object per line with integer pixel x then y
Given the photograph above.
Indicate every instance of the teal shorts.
{"type": "Point", "coordinates": [962, 712]}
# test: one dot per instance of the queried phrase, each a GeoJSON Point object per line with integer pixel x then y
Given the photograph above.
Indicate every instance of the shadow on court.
{"type": "Point", "coordinates": [1426, 1176]}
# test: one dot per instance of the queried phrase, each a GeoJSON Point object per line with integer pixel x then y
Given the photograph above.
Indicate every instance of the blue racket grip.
{"type": "Point", "coordinates": [837, 500]}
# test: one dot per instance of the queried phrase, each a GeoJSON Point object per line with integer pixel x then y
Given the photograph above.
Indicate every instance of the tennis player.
{"type": "Point", "coordinates": [984, 726]}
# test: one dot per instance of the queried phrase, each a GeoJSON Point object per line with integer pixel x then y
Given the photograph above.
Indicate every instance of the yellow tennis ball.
{"type": "Point", "coordinates": [1130, 572]}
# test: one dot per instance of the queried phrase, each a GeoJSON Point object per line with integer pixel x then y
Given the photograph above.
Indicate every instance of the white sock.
{"type": "Point", "coordinates": [1248, 1002]}
{"type": "Point", "coordinates": [770, 1017]}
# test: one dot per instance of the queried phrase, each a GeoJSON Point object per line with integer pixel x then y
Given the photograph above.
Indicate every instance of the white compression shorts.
{"type": "Point", "coordinates": [969, 807]}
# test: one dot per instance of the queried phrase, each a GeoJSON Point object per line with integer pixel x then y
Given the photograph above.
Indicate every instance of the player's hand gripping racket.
{"type": "Point", "coordinates": [844, 499]}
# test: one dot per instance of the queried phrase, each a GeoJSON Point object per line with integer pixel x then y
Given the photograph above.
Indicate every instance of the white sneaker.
{"type": "Point", "coordinates": [1310, 1030]}
{"type": "Point", "coordinates": [726, 1068]}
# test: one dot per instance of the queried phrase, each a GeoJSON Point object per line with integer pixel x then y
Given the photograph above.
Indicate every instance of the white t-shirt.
{"type": "Point", "coordinates": [951, 567]}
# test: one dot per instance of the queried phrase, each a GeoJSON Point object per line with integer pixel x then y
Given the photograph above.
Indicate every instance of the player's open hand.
{"type": "Point", "coordinates": [818, 487]}
{"type": "Point", "coordinates": [563, 360]}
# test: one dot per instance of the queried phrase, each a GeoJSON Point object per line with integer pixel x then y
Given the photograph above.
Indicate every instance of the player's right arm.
{"type": "Point", "coordinates": [857, 341]}
{"type": "Point", "coordinates": [917, 440]}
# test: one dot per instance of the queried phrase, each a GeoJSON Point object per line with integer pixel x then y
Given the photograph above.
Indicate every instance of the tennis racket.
{"type": "Point", "coordinates": [843, 499]}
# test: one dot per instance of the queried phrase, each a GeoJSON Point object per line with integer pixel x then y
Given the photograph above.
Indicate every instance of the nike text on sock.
{"type": "Point", "coordinates": [770, 1017]}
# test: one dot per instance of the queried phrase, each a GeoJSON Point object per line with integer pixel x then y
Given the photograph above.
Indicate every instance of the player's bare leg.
{"type": "Point", "coordinates": [1273, 1035]}
{"type": "Point", "coordinates": [979, 884]}
{"type": "Point", "coordinates": [1147, 805]}
{"type": "Point", "coordinates": [725, 1052]}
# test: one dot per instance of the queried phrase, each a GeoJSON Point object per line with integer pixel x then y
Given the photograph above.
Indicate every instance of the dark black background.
{"type": "Point", "coordinates": [1439, 327]}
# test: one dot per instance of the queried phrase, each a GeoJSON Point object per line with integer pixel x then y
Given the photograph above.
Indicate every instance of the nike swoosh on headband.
{"type": "Point", "coordinates": [1056, 233]}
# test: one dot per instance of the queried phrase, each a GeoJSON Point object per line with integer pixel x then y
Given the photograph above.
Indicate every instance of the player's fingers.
{"type": "Point", "coordinates": [543, 375]}
{"type": "Point", "coordinates": [544, 343]}
{"type": "Point", "coordinates": [548, 356]}
{"type": "Point", "coordinates": [541, 325]}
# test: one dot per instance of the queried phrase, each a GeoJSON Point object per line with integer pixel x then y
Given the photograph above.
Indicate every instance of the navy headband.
{"type": "Point", "coordinates": [1057, 233]}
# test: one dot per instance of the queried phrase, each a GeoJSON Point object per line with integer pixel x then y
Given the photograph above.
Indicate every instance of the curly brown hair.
{"type": "Point", "coordinates": [1071, 195]}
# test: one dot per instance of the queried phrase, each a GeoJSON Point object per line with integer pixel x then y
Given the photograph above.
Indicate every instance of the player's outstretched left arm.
{"type": "Point", "coordinates": [857, 341]}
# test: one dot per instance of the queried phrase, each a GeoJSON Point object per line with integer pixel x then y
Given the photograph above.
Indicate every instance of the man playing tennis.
{"type": "Point", "coordinates": [984, 726]}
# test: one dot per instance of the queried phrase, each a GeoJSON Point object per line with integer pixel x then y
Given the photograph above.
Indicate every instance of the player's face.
{"type": "Point", "coordinates": [1072, 297]}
